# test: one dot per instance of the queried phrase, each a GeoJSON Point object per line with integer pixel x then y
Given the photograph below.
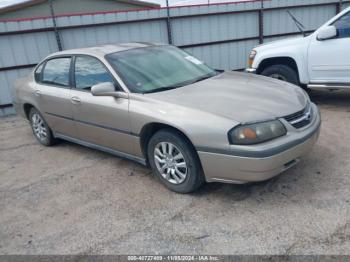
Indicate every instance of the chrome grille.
{"type": "Point", "coordinates": [301, 118]}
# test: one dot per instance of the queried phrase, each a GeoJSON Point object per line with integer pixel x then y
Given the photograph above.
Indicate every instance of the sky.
{"type": "Point", "coordinates": [4, 3]}
{"type": "Point", "coordinates": [192, 2]}
{"type": "Point", "coordinates": [8, 2]}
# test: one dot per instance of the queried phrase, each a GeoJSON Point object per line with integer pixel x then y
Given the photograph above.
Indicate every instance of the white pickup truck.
{"type": "Point", "coordinates": [320, 60]}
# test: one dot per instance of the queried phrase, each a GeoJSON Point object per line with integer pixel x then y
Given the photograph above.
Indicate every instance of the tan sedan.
{"type": "Point", "coordinates": [158, 105]}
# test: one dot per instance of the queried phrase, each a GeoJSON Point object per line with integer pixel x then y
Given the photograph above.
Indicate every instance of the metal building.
{"type": "Point", "coordinates": [220, 34]}
{"type": "Point", "coordinates": [40, 8]}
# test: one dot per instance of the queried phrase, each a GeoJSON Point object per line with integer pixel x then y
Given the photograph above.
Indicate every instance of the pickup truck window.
{"type": "Point", "coordinates": [343, 26]}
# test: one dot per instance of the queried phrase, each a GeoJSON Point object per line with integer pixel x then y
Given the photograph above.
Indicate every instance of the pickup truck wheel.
{"type": "Point", "coordinates": [175, 162]}
{"type": "Point", "coordinates": [282, 72]}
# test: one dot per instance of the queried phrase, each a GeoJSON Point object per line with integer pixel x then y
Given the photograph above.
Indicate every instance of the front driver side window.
{"type": "Point", "coordinates": [343, 26]}
{"type": "Point", "coordinates": [90, 71]}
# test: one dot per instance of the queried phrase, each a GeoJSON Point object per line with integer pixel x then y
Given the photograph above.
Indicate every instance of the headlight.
{"type": "Point", "coordinates": [251, 58]}
{"type": "Point", "coordinates": [256, 133]}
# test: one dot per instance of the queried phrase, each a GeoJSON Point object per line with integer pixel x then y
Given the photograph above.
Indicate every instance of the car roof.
{"type": "Point", "coordinates": [103, 50]}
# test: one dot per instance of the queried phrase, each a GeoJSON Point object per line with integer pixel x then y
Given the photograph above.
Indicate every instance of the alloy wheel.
{"type": "Point", "coordinates": [39, 127]}
{"type": "Point", "coordinates": [170, 162]}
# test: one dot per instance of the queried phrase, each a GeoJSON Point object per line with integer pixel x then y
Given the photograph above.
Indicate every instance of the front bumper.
{"type": "Point", "coordinates": [239, 166]}
{"type": "Point", "coordinates": [250, 70]}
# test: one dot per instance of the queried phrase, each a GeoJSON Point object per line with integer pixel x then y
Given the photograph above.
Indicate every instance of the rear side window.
{"type": "Point", "coordinates": [56, 72]}
{"type": "Point", "coordinates": [343, 26]}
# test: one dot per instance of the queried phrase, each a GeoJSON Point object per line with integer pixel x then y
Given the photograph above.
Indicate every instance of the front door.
{"type": "Point", "coordinates": [52, 92]}
{"type": "Point", "coordinates": [329, 60]}
{"type": "Point", "coordinates": [102, 121]}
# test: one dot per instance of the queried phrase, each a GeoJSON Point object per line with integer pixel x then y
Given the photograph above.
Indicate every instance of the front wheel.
{"type": "Point", "coordinates": [282, 72]}
{"type": "Point", "coordinates": [175, 162]}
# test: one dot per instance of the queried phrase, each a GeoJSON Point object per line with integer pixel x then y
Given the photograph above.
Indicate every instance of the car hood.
{"type": "Point", "coordinates": [299, 40]}
{"type": "Point", "coordinates": [238, 96]}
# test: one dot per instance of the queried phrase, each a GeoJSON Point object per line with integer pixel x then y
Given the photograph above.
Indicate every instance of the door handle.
{"type": "Point", "coordinates": [37, 93]}
{"type": "Point", "coordinates": [75, 100]}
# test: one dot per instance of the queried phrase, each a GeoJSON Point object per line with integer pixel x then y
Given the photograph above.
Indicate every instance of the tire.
{"type": "Point", "coordinates": [175, 179]}
{"type": "Point", "coordinates": [282, 72]}
{"type": "Point", "coordinates": [40, 129]}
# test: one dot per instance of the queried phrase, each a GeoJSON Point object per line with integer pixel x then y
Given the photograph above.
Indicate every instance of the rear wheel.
{"type": "Point", "coordinates": [41, 130]}
{"type": "Point", "coordinates": [175, 162]}
{"type": "Point", "coordinates": [282, 72]}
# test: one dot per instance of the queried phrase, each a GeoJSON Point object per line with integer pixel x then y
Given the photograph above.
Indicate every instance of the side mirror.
{"type": "Point", "coordinates": [326, 33]}
{"type": "Point", "coordinates": [107, 89]}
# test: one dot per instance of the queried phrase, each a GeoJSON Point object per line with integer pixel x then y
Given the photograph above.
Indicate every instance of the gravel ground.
{"type": "Point", "coordinates": [68, 199]}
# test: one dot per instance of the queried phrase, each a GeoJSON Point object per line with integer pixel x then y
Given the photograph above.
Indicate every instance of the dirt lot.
{"type": "Point", "coordinates": [69, 199]}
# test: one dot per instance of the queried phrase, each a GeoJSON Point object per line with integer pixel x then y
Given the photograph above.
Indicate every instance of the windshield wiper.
{"type": "Point", "coordinates": [160, 89]}
{"type": "Point", "coordinates": [202, 78]}
{"type": "Point", "coordinates": [165, 88]}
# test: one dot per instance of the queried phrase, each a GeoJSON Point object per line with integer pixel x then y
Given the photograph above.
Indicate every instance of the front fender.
{"type": "Point", "coordinates": [296, 50]}
{"type": "Point", "coordinates": [201, 128]}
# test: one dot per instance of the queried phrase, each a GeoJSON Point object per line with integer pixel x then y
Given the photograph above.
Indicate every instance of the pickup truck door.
{"type": "Point", "coordinates": [329, 60]}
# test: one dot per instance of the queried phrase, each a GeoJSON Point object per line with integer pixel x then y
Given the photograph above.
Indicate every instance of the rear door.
{"type": "Point", "coordinates": [329, 60]}
{"type": "Point", "coordinates": [52, 94]}
{"type": "Point", "coordinates": [100, 120]}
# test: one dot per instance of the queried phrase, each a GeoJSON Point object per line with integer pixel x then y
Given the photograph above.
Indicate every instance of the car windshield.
{"type": "Point", "coordinates": [158, 68]}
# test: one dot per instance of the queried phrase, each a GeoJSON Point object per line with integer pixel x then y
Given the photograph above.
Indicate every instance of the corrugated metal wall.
{"type": "Point", "coordinates": [221, 34]}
